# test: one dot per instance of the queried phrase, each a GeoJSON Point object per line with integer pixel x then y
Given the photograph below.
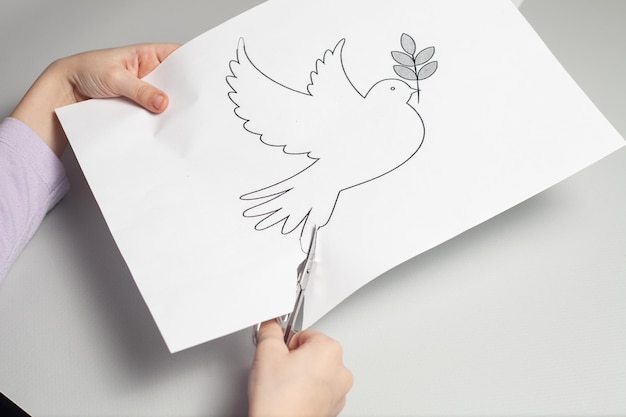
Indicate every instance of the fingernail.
{"type": "Point", "coordinates": [157, 101]}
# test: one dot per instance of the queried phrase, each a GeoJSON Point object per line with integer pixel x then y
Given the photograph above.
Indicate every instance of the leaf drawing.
{"type": "Point", "coordinates": [403, 59]}
{"type": "Point", "coordinates": [410, 61]}
{"type": "Point", "coordinates": [408, 44]}
{"type": "Point", "coordinates": [404, 72]}
{"type": "Point", "coordinates": [427, 70]}
{"type": "Point", "coordinates": [424, 55]}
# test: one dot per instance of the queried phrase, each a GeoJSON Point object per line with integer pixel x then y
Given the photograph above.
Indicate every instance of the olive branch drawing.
{"type": "Point", "coordinates": [410, 60]}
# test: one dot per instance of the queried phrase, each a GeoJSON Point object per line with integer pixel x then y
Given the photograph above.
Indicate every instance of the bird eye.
{"type": "Point", "coordinates": [393, 88]}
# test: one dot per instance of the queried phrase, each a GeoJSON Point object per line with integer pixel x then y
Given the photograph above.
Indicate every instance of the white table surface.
{"type": "Point", "coordinates": [523, 315]}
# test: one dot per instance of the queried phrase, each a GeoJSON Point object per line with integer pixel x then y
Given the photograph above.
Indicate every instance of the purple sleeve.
{"type": "Point", "coordinates": [32, 181]}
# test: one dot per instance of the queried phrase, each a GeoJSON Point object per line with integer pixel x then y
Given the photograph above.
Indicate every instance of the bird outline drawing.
{"type": "Point", "coordinates": [349, 138]}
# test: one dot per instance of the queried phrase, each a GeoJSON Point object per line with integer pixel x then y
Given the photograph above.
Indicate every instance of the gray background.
{"type": "Point", "coordinates": [541, 286]}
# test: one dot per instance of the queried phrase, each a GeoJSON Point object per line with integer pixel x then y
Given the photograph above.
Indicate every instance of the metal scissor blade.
{"type": "Point", "coordinates": [294, 320]}
{"type": "Point", "coordinates": [306, 266]}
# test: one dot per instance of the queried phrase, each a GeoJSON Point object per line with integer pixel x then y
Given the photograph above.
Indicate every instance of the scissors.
{"type": "Point", "coordinates": [292, 322]}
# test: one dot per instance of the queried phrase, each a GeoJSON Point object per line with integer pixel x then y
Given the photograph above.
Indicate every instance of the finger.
{"type": "Point", "coordinates": [163, 50]}
{"type": "Point", "coordinates": [150, 55]}
{"type": "Point", "coordinates": [142, 93]}
{"type": "Point", "coordinates": [307, 336]}
{"type": "Point", "coordinates": [347, 380]}
{"type": "Point", "coordinates": [271, 332]}
{"type": "Point", "coordinates": [339, 407]}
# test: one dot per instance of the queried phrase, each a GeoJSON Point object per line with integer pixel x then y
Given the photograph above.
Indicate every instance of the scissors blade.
{"type": "Point", "coordinates": [294, 320]}
{"type": "Point", "coordinates": [305, 267]}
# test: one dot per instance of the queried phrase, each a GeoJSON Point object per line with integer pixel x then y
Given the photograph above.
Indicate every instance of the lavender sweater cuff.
{"type": "Point", "coordinates": [32, 181]}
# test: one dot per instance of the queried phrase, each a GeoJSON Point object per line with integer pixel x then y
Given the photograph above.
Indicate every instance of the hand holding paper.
{"type": "Point", "coordinates": [115, 72]}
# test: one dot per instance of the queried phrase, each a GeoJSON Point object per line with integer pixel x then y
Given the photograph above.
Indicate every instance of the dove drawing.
{"type": "Point", "coordinates": [349, 138]}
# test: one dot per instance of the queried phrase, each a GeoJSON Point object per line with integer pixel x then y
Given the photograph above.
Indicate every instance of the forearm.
{"type": "Point", "coordinates": [32, 181]}
{"type": "Point", "coordinates": [51, 90]}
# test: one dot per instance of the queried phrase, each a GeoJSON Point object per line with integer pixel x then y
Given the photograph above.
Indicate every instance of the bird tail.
{"type": "Point", "coordinates": [291, 204]}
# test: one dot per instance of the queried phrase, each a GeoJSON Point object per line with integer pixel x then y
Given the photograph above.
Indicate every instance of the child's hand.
{"type": "Point", "coordinates": [308, 379]}
{"type": "Point", "coordinates": [104, 73]}
{"type": "Point", "coordinates": [117, 72]}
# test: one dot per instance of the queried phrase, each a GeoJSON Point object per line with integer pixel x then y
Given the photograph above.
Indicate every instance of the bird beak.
{"type": "Point", "coordinates": [413, 100]}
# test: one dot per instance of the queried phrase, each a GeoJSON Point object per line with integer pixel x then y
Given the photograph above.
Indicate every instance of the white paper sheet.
{"type": "Point", "coordinates": [387, 175]}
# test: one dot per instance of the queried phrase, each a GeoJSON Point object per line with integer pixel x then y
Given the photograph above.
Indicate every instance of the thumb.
{"type": "Point", "coordinates": [271, 333]}
{"type": "Point", "coordinates": [308, 336]}
{"type": "Point", "coordinates": [143, 93]}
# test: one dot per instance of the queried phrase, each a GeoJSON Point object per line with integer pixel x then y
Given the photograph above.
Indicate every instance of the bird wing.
{"type": "Point", "coordinates": [329, 81]}
{"type": "Point", "coordinates": [285, 117]}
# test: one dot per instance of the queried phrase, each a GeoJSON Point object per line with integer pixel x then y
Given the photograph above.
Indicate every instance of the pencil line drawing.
{"type": "Point", "coordinates": [350, 138]}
